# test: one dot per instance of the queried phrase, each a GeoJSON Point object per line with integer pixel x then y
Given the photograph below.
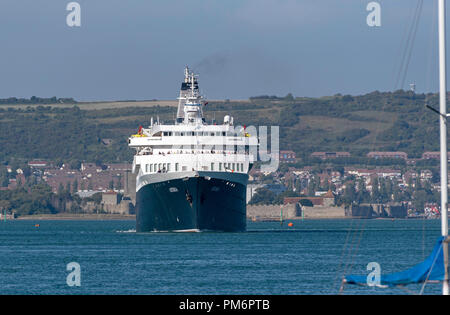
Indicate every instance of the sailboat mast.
{"type": "Point", "coordinates": [443, 138]}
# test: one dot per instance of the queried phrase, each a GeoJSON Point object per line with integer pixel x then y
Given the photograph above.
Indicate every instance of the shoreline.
{"type": "Point", "coordinates": [129, 217]}
{"type": "Point", "coordinates": [77, 216]}
{"type": "Point", "coordinates": [106, 217]}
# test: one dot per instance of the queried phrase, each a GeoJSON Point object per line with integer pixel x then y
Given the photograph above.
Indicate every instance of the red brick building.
{"type": "Point", "coordinates": [433, 155]}
{"type": "Point", "coordinates": [330, 155]}
{"type": "Point", "coordinates": [91, 177]}
{"type": "Point", "coordinates": [385, 155]}
{"type": "Point", "coordinates": [38, 164]}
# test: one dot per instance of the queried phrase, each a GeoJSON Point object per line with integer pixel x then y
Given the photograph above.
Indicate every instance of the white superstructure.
{"type": "Point", "coordinates": [191, 145]}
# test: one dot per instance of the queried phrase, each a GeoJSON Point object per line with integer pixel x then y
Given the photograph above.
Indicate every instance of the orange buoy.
{"type": "Point", "coordinates": [290, 224]}
{"type": "Point", "coordinates": [36, 225]}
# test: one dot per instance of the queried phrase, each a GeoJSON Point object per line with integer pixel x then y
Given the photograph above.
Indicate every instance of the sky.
{"type": "Point", "coordinates": [137, 49]}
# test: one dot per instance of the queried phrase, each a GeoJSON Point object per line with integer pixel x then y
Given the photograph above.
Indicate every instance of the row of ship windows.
{"type": "Point", "coordinates": [200, 133]}
{"type": "Point", "coordinates": [166, 167]}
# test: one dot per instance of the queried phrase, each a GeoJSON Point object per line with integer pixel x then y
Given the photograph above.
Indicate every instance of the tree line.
{"type": "Point", "coordinates": [37, 100]}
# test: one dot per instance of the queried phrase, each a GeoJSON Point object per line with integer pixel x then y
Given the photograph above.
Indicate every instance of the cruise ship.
{"type": "Point", "coordinates": [191, 175]}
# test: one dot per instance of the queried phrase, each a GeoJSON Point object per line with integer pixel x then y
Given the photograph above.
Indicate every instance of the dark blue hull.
{"type": "Point", "coordinates": [193, 203]}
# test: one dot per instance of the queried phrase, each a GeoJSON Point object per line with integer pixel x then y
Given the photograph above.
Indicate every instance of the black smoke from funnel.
{"type": "Point", "coordinates": [212, 64]}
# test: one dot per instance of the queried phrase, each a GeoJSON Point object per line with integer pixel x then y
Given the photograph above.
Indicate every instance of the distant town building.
{"type": "Point", "coordinates": [7, 216]}
{"type": "Point", "coordinates": [409, 176]}
{"type": "Point", "coordinates": [86, 194]}
{"type": "Point", "coordinates": [38, 164]}
{"type": "Point", "coordinates": [90, 177]}
{"type": "Point", "coordinates": [325, 200]}
{"type": "Point", "coordinates": [112, 203]}
{"type": "Point", "coordinates": [389, 210]}
{"type": "Point", "coordinates": [287, 157]}
{"type": "Point", "coordinates": [330, 155]}
{"type": "Point", "coordinates": [276, 188]}
{"type": "Point", "coordinates": [119, 167]}
{"type": "Point", "coordinates": [92, 167]}
{"type": "Point", "coordinates": [433, 155]}
{"type": "Point", "coordinates": [426, 174]}
{"type": "Point", "coordinates": [412, 161]}
{"type": "Point", "coordinates": [386, 173]}
{"type": "Point", "coordinates": [390, 155]}
{"type": "Point", "coordinates": [12, 184]}
{"type": "Point", "coordinates": [110, 198]}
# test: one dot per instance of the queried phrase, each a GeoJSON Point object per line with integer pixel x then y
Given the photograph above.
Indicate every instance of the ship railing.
{"type": "Point", "coordinates": [198, 152]}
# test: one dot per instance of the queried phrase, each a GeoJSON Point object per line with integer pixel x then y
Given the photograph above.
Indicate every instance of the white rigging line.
{"type": "Point", "coordinates": [404, 64]}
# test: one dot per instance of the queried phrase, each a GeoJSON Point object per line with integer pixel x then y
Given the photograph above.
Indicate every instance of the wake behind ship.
{"type": "Point", "coordinates": [192, 176]}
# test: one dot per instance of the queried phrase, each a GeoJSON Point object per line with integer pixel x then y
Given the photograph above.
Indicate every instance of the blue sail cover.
{"type": "Point", "coordinates": [431, 268]}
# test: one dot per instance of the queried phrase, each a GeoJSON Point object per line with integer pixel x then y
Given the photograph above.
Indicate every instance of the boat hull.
{"type": "Point", "coordinates": [196, 202]}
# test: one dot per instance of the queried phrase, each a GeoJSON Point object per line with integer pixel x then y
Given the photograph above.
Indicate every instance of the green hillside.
{"type": "Point", "coordinates": [377, 121]}
{"type": "Point", "coordinates": [390, 121]}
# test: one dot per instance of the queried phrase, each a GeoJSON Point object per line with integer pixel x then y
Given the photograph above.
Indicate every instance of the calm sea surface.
{"type": "Point", "coordinates": [309, 258]}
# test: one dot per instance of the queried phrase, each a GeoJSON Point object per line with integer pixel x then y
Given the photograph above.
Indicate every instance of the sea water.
{"type": "Point", "coordinates": [310, 257]}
